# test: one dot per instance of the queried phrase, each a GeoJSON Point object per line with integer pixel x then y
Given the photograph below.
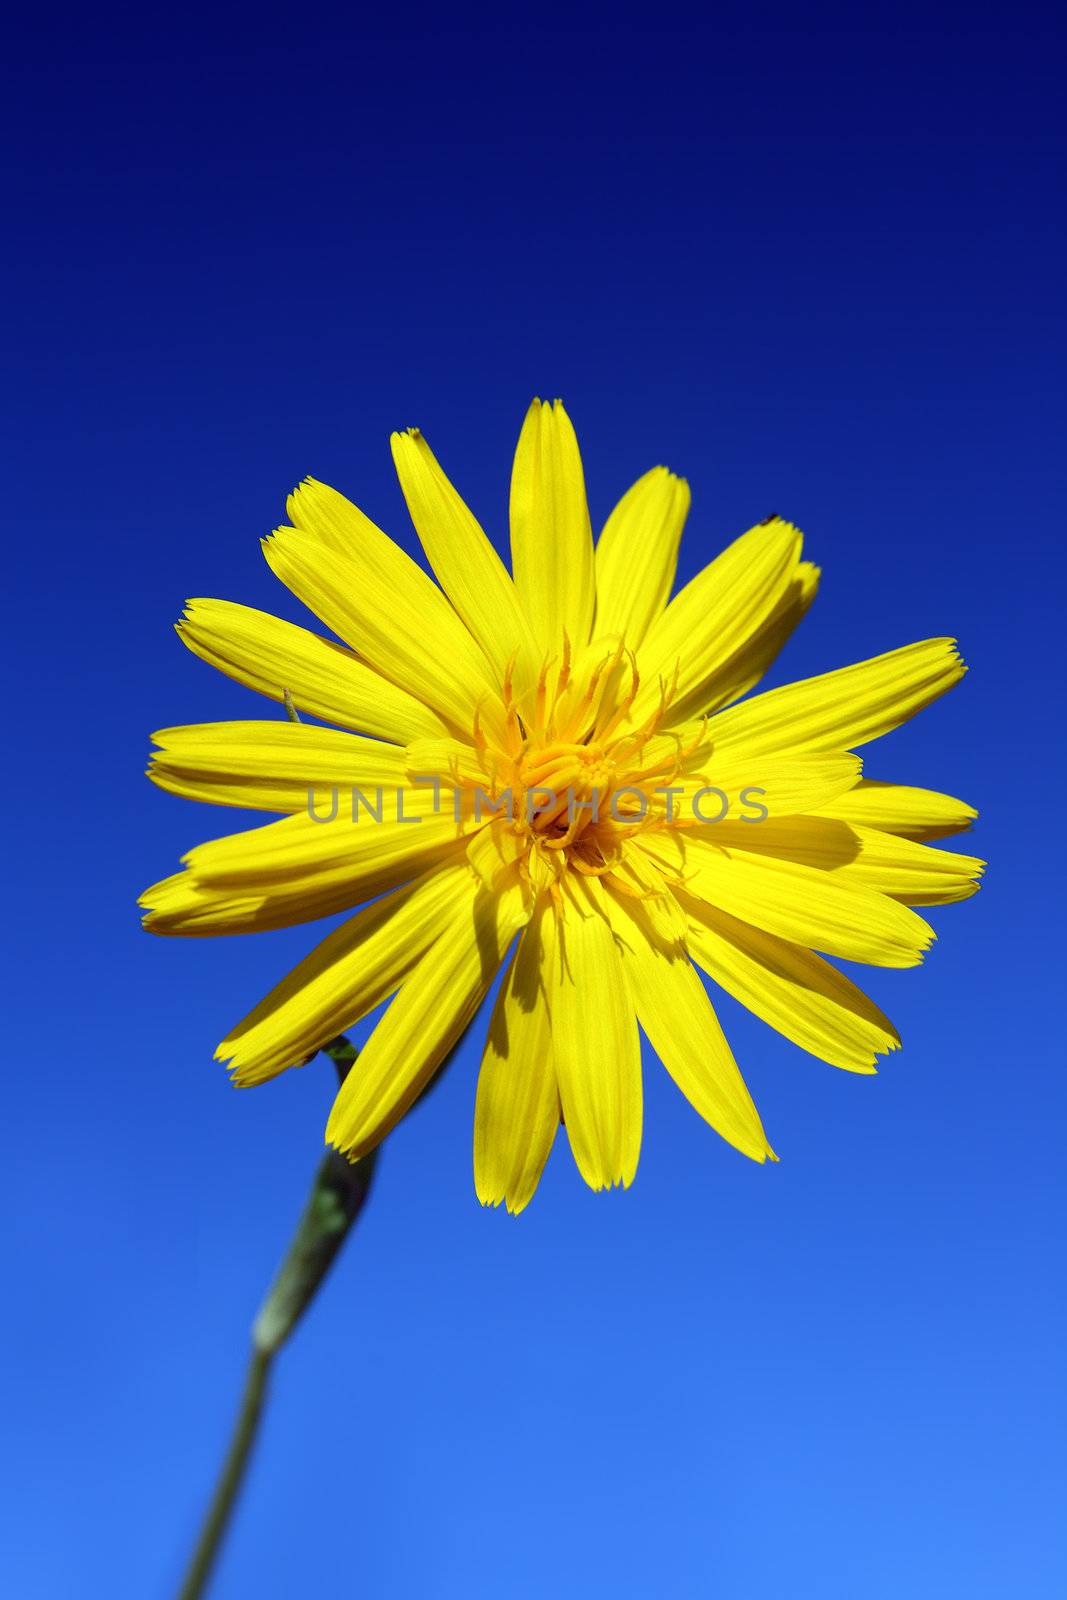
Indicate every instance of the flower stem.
{"type": "Point", "coordinates": [337, 1197]}
{"type": "Point", "coordinates": [232, 1473]}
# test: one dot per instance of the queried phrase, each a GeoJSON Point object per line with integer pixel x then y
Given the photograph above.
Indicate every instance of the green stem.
{"type": "Point", "coordinates": [336, 1199]}
{"type": "Point", "coordinates": [233, 1471]}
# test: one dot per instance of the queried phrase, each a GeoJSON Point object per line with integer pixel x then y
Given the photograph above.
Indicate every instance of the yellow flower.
{"type": "Point", "coordinates": [563, 755]}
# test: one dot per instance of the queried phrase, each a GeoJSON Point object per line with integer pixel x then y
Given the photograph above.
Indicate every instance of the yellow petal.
{"type": "Point", "coordinates": [425, 1020]}
{"type": "Point", "coordinates": [180, 905]}
{"type": "Point", "coordinates": [920, 814]}
{"type": "Point", "coordinates": [861, 857]}
{"type": "Point", "coordinates": [375, 598]}
{"type": "Point", "coordinates": [674, 1010]}
{"type": "Point", "coordinates": [452, 761]}
{"type": "Point", "coordinates": [595, 1044]}
{"type": "Point", "coordinates": [517, 1110]}
{"type": "Point", "coordinates": [637, 879]}
{"type": "Point", "coordinates": [791, 988]}
{"type": "Point", "coordinates": [777, 786]}
{"type": "Point", "coordinates": [269, 766]}
{"type": "Point", "coordinates": [298, 869]}
{"type": "Point", "coordinates": [354, 968]}
{"type": "Point", "coordinates": [469, 570]}
{"type": "Point", "coordinates": [325, 680]}
{"type": "Point", "coordinates": [551, 539]}
{"type": "Point", "coordinates": [713, 618]}
{"type": "Point", "coordinates": [798, 903]}
{"type": "Point", "coordinates": [838, 710]}
{"type": "Point", "coordinates": [745, 669]}
{"type": "Point", "coordinates": [494, 852]}
{"type": "Point", "coordinates": [637, 553]}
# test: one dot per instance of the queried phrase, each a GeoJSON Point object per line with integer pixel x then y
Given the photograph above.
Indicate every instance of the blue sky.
{"type": "Point", "coordinates": [810, 259]}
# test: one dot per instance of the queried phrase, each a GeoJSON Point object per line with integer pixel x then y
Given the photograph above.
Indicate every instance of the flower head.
{"type": "Point", "coordinates": [557, 760]}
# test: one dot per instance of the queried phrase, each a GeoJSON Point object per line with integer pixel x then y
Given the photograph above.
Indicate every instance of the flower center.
{"type": "Point", "coordinates": [578, 773]}
{"type": "Point", "coordinates": [561, 789]}
{"type": "Point", "coordinates": [580, 768]}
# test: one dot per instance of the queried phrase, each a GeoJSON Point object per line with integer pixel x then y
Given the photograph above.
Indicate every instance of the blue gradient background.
{"type": "Point", "coordinates": [811, 258]}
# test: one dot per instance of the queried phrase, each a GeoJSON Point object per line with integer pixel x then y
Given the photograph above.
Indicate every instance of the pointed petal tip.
{"type": "Point", "coordinates": [493, 1199]}
{"type": "Point", "coordinates": [350, 1155]}
{"type": "Point", "coordinates": [955, 654]}
{"type": "Point", "coordinates": [239, 1077]}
